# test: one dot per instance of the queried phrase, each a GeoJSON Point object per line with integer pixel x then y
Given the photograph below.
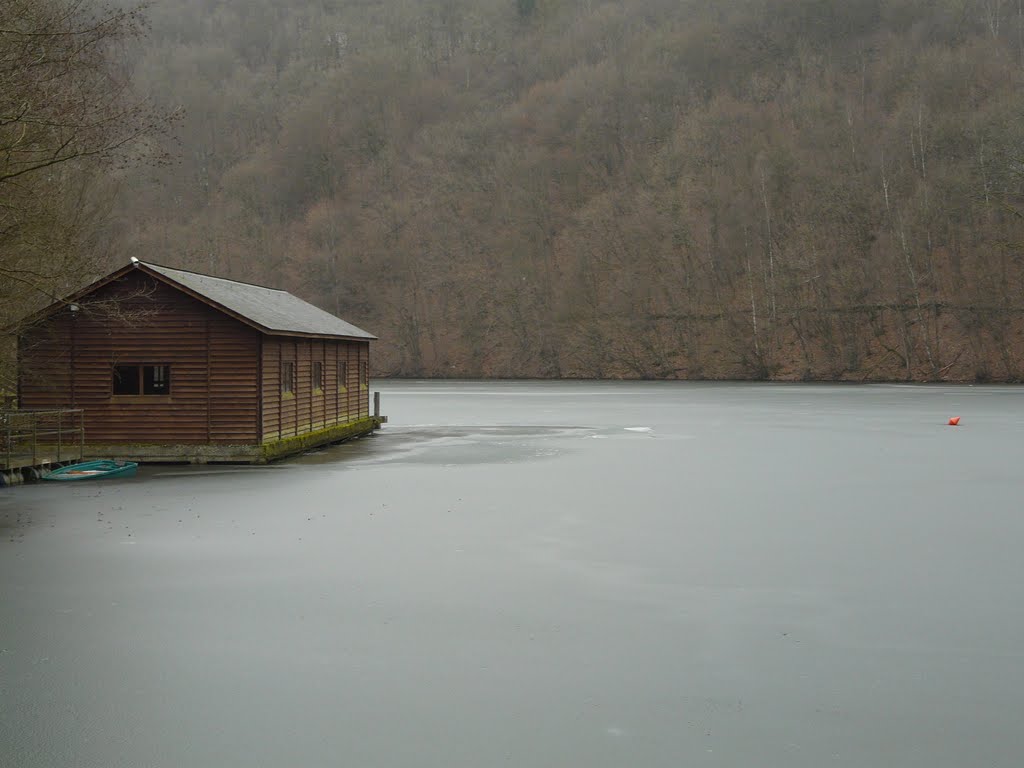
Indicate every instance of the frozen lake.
{"type": "Point", "coordinates": [541, 574]}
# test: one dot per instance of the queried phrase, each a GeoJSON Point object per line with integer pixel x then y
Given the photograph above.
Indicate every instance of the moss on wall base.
{"type": "Point", "coordinates": [272, 450]}
{"type": "Point", "coordinates": [289, 446]}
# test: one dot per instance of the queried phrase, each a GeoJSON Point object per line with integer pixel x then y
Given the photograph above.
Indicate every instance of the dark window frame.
{"type": "Point", "coordinates": [343, 375]}
{"type": "Point", "coordinates": [316, 376]}
{"type": "Point", "coordinates": [288, 377]}
{"type": "Point", "coordinates": [140, 380]}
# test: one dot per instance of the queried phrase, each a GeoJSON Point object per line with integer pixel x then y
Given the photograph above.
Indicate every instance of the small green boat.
{"type": "Point", "coordinates": [93, 470]}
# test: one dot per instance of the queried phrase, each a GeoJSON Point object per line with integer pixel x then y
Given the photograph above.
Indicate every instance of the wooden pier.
{"type": "Point", "coordinates": [32, 439]}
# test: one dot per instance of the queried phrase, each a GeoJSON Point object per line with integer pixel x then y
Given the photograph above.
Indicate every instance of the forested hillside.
{"type": "Point", "coordinates": [824, 189]}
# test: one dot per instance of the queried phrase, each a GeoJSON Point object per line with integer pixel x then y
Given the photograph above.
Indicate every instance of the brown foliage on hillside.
{"type": "Point", "coordinates": [643, 188]}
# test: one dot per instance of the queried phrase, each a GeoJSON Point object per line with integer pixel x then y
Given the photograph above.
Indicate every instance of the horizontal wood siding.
{"type": "Point", "coordinates": [212, 358]}
{"type": "Point", "coordinates": [44, 364]}
{"type": "Point", "coordinates": [219, 367]}
{"type": "Point", "coordinates": [234, 387]}
{"type": "Point", "coordinates": [306, 410]}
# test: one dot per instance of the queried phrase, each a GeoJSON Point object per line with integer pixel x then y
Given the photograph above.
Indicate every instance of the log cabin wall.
{"type": "Point", "coordinates": [213, 398]}
{"type": "Point", "coordinates": [234, 350]}
{"type": "Point", "coordinates": [343, 396]}
{"type": "Point", "coordinates": [45, 362]}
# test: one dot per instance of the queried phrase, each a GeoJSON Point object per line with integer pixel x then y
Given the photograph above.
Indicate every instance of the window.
{"type": "Point", "coordinates": [288, 377]}
{"type": "Point", "coordinates": [142, 380]}
{"type": "Point", "coordinates": [156, 379]}
{"type": "Point", "coordinates": [365, 375]}
{"type": "Point", "coordinates": [317, 378]}
{"type": "Point", "coordinates": [126, 380]}
{"type": "Point", "coordinates": [342, 376]}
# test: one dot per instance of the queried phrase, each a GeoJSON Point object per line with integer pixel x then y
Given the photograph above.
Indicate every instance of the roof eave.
{"type": "Point", "coordinates": [305, 335]}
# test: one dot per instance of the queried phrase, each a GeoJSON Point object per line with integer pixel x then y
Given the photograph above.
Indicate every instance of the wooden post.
{"type": "Point", "coordinates": [376, 404]}
{"type": "Point", "coordinates": [60, 437]}
{"type": "Point", "coordinates": [81, 435]}
{"type": "Point", "coordinates": [35, 428]}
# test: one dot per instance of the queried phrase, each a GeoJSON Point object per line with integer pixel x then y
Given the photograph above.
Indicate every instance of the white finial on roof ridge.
{"type": "Point", "coordinates": [134, 260]}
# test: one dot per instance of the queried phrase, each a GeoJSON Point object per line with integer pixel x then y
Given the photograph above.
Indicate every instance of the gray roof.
{"type": "Point", "coordinates": [276, 311]}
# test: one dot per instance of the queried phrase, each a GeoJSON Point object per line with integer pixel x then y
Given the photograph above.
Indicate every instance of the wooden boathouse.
{"type": "Point", "coordinates": [176, 366]}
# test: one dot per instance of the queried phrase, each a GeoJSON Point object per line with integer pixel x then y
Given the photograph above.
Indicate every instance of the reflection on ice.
{"type": "Point", "coordinates": [454, 445]}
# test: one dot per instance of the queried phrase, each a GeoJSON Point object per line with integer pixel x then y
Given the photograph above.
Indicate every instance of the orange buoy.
{"type": "Point", "coordinates": [954, 421]}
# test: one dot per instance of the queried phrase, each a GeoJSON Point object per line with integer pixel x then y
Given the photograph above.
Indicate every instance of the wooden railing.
{"type": "Point", "coordinates": [34, 438]}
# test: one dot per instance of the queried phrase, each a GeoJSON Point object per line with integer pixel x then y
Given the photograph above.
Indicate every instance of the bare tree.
{"type": "Point", "coordinates": [68, 125]}
{"type": "Point", "coordinates": [67, 121]}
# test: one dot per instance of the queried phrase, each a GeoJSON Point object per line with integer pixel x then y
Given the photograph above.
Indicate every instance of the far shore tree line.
{"type": "Point", "coordinates": [757, 189]}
